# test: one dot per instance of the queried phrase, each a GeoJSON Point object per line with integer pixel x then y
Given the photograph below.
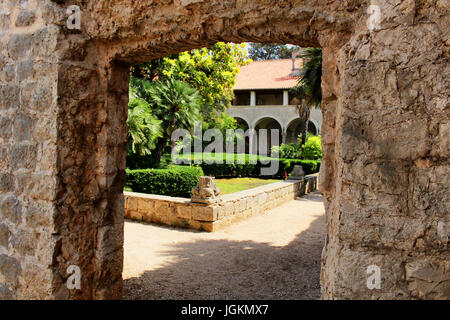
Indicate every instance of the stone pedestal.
{"type": "Point", "coordinates": [206, 192]}
{"type": "Point", "coordinates": [297, 173]}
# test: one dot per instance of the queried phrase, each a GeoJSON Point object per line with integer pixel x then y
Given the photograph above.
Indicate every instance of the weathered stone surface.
{"type": "Point", "coordinates": [10, 268]}
{"type": "Point", "coordinates": [9, 96]}
{"type": "Point", "coordinates": [24, 242]}
{"type": "Point", "coordinates": [11, 209]}
{"type": "Point", "coordinates": [5, 128]}
{"type": "Point", "coordinates": [206, 191]}
{"type": "Point", "coordinates": [25, 18]}
{"type": "Point", "coordinates": [428, 280]}
{"type": "Point", "coordinates": [6, 182]}
{"type": "Point", "coordinates": [22, 128]}
{"type": "Point", "coordinates": [201, 213]}
{"type": "Point", "coordinates": [19, 45]}
{"type": "Point", "coordinates": [5, 292]}
{"type": "Point", "coordinates": [23, 156]}
{"type": "Point", "coordinates": [4, 235]}
{"type": "Point", "coordinates": [297, 173]}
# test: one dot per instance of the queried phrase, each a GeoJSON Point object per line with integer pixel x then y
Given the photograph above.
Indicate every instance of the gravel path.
{"type": "Point", "coordinates": [271, 256]}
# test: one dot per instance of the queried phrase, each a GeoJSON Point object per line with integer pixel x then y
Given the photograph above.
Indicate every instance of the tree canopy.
{"type": "Point", "coordinates": [174, 103]}
{"type": "Point", "coordinates": [309, 87]}
{"type": "Point", "coordinates": [261, 51]}
{"type": "Point", "coordinates": [143, 127]}
{"type": "Point", "coordinates": [212, 71]}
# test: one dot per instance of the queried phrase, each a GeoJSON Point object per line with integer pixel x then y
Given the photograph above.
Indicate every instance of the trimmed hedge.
{"type": "Point", "coordinates": [176, 181]}
{"type": "Point", "coordinates": [254, 170]}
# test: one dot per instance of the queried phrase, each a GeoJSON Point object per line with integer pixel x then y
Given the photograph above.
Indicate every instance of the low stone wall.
{"type": "Point", "coordinates": [232, 208]}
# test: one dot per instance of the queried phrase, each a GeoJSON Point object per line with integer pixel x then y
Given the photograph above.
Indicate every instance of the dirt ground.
{"type": "Point", "coordinates": [271, 256]}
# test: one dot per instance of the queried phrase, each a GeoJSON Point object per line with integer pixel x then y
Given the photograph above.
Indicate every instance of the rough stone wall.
{"type": "Point", "coordinates": [388, 192]}
{"type": "Point", "coordinates": [28, 137]}
{"type": "Point", "coordinates": [62, 134]}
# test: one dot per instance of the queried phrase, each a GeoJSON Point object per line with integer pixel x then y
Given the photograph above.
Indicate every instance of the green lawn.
{"type": "Point", "coordinates": [227, 186]}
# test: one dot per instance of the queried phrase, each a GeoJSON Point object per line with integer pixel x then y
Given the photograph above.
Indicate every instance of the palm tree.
{"type": "Point", "coordinates": [174, 102]}
{"type": "Point", "coordinates": [143, 127]}
{"type": "Point", "coordinates": [309, 87]}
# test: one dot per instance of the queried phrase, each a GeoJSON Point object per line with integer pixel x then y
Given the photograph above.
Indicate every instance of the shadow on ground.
{"type": "Point", "coordinates": [315, 197]}
{"type": "Point", "coordinates": [248, 270]}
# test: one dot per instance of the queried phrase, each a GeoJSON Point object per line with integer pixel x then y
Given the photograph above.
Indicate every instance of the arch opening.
{"type": "Point", "coordinates": [64, 135]}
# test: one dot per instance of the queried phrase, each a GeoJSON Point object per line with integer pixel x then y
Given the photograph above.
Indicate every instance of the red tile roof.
{"type": "Point", "coordinates": [268, 74]}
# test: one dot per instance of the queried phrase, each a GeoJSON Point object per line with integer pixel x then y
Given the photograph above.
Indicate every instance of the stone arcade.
{"type": "Point", "coordinates": [63, 109]}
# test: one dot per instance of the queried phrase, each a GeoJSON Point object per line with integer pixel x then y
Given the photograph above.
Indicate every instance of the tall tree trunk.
{"type": "Point", "coordinates": [303, 113]}
{"type": "Point", "coordinates": [162, 142]}
{"type": "Point", "coordinates": [159, 150]}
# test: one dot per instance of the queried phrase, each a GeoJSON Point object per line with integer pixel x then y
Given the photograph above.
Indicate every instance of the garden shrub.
{"type": "Point", "coordinates": [176, 181]}
{"type": "Point", "coordinates": [288, 151]}
{"type": "Point", "coordinates": [312, 149]}
{"type": "Point", "coordinates": [248, 169]}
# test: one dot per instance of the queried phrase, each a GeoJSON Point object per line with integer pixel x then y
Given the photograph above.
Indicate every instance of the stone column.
{"type": "Point", "coordinates": [253, 140]}
{"type": "Point", "coordinates": [29, 167]}
{"type": "Point", "coordinates": [63, 110]}
{"type": "Point", "coordinates": [92, 106]}
{"type": "Point", "coordinates": [386, 146]}
{"type": "Point", "coordinates": [252, 98]}
{"type": "Point", "coordinates": [285, 97]}
{"type": "Point", "coordinates": [284, 136]}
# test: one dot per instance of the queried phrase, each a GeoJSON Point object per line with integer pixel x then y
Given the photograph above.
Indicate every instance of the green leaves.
{"type": "Point", "coordinates": [288, 151]}
{"type": "Point", "coordinates": [312, 149]}
{"type": "Point", "coordinates": [143, 127]}
{"type": "Point", "coordinates": [175, 102]}
{"type": "Point", "coordinates": [261, 51]}
{"type": "Point", "coordinates": [175, 181]}
{"type": "Point", "coordinates": [309, 87]}
{"type": "Point", "coordinates": [211, 71]}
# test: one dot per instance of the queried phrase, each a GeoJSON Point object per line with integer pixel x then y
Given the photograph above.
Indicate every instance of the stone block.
{"type": "Point", "coordinates": [9, 96]}
{"type": "Point", "coordinates": [22, 128]}
{"type": "Point", "coordinates": [5, 128]}
{"type": "Point", "coordinates": [131, 203]}
{"type": "Point", "coordinates": [25, 18]}
{"type": "Point", "coordinates": [134, 215]}
{"type": "Point", "coordinates": [23, 156]}
{"type": "Point", "coordinates": [11, 209]}
{"type": "Point", "coordinates": [161, 208]}
{"type": "Point", "coordinates": [145, 206]}
{"type": "Point", "coordinates": [428, 279]}
{"type": "Point", "coordinates": [10, 268]}
{"type": "Point", "coordinates": [6, 293]}
{"type": "Point", "coordinates": [23, 242]}
{"type": "Point", "coordinates": [207, 226]}
{"type": "Point", "coordinates": [204, 213]}
{"type": "Point", "coordinates": [4, 235]}
{"type": "Point", "coordinates": [228, 208]}
{"type": "Point", "coordinates": [19, 45]}
{"type": "Point", "coordinates": [184, 212]}
{"type": "Point", "coordinates": [7, 182]}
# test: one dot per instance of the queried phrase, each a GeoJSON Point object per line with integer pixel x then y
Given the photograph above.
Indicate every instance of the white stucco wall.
{"type": "Point", "coordinates": [283, 114]}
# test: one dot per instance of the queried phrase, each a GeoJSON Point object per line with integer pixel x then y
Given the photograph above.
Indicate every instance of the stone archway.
{"type": "Point", "coordinates": [293, 130]}
{"type": "Point", "coordinates": [265, 143]}
{"type": "Point", "coordinates": [63, 134]}
{"type": "Point", "coordinates": [242, 123]}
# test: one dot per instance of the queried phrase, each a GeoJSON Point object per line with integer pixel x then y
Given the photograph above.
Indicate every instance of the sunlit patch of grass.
{"type": "Point", "coordinates": [227, 186]}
